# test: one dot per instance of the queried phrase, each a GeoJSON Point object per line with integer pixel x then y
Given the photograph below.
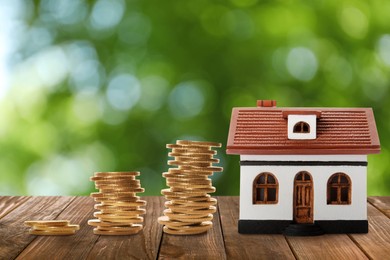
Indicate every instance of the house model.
{"type": "Point", "coordinates": [303, 170]}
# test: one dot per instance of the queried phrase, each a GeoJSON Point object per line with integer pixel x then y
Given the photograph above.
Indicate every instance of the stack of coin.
{"type": "Point", "coordinates": [51, 227]}
{"type": "Point", "coordinates": [189, 207]}
{"type": "Point", "coordinates": [119, 207]}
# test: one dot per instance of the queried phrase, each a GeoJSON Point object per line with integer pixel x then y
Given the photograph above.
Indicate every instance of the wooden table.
{"type": "Point", "coordinates": [222, 242]}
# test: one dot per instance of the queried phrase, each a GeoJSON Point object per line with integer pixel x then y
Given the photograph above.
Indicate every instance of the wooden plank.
{"type": "Point", "coordinates": [208, 245]}
{"type": "Point", "coordinates": [9, 203]}
{"type": "Point", "coordinates": [66, 247]}
{"type": "Point", "coordinates": [14, 236]}
{"type": "Point", "coordinates": [338, 246]}
{"type": "Point", "coordinates": [248, 246]}
{"type": "Point", "coordinates": [143, 245]}
{"type": "Point", "coordinates": [376, 244]}
{"type": "Point", "coordinates": [381, 203]}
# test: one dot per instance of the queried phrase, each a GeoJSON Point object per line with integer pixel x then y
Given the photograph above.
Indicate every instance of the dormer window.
{"type": "Point", "coordinates": [301, 127]}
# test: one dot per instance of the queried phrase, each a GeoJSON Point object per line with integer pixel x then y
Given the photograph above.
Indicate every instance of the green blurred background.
{"type": "Point", "coordinates": [103, 85]}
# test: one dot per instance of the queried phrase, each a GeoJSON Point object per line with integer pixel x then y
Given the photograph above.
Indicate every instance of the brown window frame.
{"type": "Point", "coordinates": [339, 186]}
{"type": "Point", "coordinates": [299, 128]}
{"type": "Point", "coordinates": [266, 186]}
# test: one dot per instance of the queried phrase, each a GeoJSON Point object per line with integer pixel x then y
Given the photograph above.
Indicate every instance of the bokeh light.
{"type": "Point", "coordinates": [104, 85]}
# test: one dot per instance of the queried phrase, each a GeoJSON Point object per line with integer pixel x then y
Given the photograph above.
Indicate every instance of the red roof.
{"type": "Point", "coordinates": [263, 130]}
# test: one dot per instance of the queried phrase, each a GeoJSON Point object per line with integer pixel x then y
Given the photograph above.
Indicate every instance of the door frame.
{"type": "Point", "coordinates": [310, 207]}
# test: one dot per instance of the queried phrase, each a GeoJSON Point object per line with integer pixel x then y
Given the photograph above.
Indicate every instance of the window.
{"type": "Point", "coordinates": [339, 189]}
{"type": "Point", "coordinates": [301, 127]}
{"type": "Point", "coordinates": [265, 189]}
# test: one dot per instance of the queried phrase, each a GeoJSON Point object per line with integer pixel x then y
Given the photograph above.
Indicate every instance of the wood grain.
{"type": "Point", "coordinates": [246, 246]}
{"type": "Point", "coordinates": [66, 247]}
{"type": "Point", "coordinates": [8, 203]}
{"type": "Point", "coordinates": [143, 245]}
{"type": "Point", "coordinates": [376, 243]}
{"type": "Point", "coordinates": [14, 236]}
{"type": "Point", "coordinates": [208, 245]}
{"type": "Point", "coordinates": [325, 247]}
{"type": "Point", "coordinates": [381, 203]}
{"type": "Point", "coordinates": [222, 242]}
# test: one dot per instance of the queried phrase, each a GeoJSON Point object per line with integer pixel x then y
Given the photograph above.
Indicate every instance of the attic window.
{"type": "Point", "coordinates": [301, 127]}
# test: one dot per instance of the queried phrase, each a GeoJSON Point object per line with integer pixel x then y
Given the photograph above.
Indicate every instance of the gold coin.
{"type": "Point", "coordinates": [47, 222]}
{"type": "Point", "coordinates": [199, 143]}
{"type": "Point", "coordinates": [187, 181]}
{"type": "Point", "coordinates": [186, 198]}
{"type": "Point", "coordinates": [183, 194]}
{"type": "Point", "coordinates": [196, 160]}
{"type": "Point", "coordinates": [192, 164]}
{"type": "Point", "coordinates": [184, 175]}
{"type": "Point", "coordinates": [51, 233]}
{"type": "Point", "coordinates": [164, 220]}
{"type": "Point", "coordinates": [201, 169]}
{"type": "Point", "coordinates": [115, 174]}
{"type": "Point", "coordinates": [185, 231]}
{"type": "Point", "coordinates": [114, 181]}
{"type": "Point", "coordinates": [187, 151]}
{"type": "Point", "coordinates": [192, 190]}
{"type": "Point", "coordinates": [56, 229]}
{"type": "Point", "coordinates": [193, 212]}
{"type": "Point", "coordinates": [133, 231]}
{"type": "Point", "coordinates": [122, 212]}
{"type": "Point", "coordinates": [119, 229]}
{"type": "Point", "coordinates": [98, 222]}
{"type": "Point", "coordinates": [191, 155]}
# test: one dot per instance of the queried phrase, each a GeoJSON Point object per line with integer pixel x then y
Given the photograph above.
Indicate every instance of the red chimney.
{"type": "Point", "coordinates": [266, 103]}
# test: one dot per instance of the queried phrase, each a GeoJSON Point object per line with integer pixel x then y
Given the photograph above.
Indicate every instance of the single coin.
{"type": "Point", "coordinates": [112, 201]}
{"type": "Point", "coordinates": [200, 143]}
{"type": "Point", "coordinates": [187, 151]}
{"type": "Point", "coordinates": [120, 229]}
{"type": "Point", "coordinates": [190, 171]}
{"type": "Point", "coordinates": [47, 222]}
{"type": "Point", "coordinates": [183, 194]}
{"type": "Point", "coordinates": [193, 212]}
{"type": "Point", "coordinates": [186, 176]}
{"type": "Point", "coordinates": [118, 194]}
{"type": "Point", "coordinates": [201, 169]}
{"type": "Point", "coordinates": [104, 174]}
{"type": "Point", "coordinates": [117, 233]}
{"type": "Point", "coordinates": [186, 198]}
{"type": "Point", "coordinates": [194, 147]}
{"type": "Point", "coordinates": [167, 230]}
{"type": "Point", "coordinates": [183, 181]}
{"type": "Point", "coordinates": [119, 182]}
{"type": "Point", "coordinates": [193, 164]}
{"type": "Point", "coordinates": [48, 228]}
{"type": "Point", "coordinates": [187, 215]}
{"type": "Point", "coordinates": [191, 155]}
{"type": "Point", "coordinates": [164, 220]}
{"type": "Point", "coordinates": [51, 233]}
{"type": "Point", "coordinates": [192, 188]}
{"type": "Point", "coordinates": [197, 160]}
{"type": "Point", "coordinates": [122, 212]}
{"type": "Point", "coordinates": [110, 189]}
{"type": "Point", "coordinates": [100, 223]}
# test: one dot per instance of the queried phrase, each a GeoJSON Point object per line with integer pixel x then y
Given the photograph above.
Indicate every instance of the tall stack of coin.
{"type": "Point", "coordinates": [119, 207]}
{"type": "Point", "coordinates": [189, 207]}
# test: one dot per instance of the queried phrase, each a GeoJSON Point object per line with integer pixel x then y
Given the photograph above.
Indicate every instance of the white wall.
{"type": "Point", "coordinates": [321, 158]}
{"type": "Point", "coordinates": [284, 209]}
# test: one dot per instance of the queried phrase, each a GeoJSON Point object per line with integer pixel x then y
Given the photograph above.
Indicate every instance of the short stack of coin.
{"type": "Point", "coordinates": [119, 207]}
{"type": "Point", "coordinates": [189, 207]}
{"type": "Point", "coordinates": [51, 227]}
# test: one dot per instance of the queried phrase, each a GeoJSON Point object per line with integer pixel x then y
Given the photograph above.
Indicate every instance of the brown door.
{"type": "Point", "coordinates": [303, 198]}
